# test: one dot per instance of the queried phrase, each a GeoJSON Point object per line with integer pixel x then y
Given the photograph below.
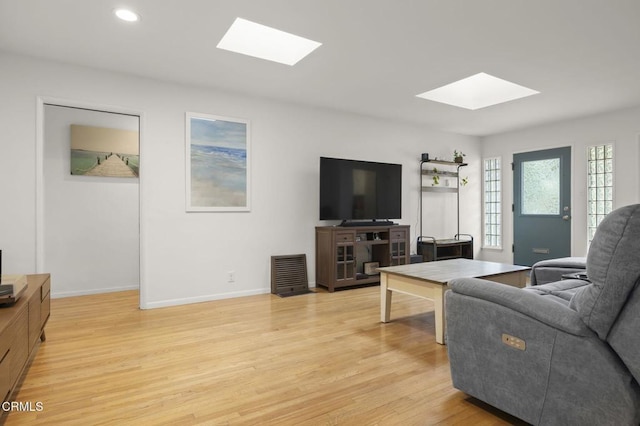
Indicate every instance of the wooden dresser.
{"type": "Point", "coordinates": [21, 326]}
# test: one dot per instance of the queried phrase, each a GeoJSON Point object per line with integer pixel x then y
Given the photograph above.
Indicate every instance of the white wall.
{"type": "Point", "coordinates": [90, 224]}
{"type": "Point", "coordinates": [185, 256]}
{"type": "Point", "coordinates": [620, 128]}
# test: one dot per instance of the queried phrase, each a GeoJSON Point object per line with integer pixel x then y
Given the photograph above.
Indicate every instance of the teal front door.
{"type": "Point", "coordinates": [542, 209]}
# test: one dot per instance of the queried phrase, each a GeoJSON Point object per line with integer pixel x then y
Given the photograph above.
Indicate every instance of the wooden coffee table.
{"type": "Point", "coordinates": [429, 281]}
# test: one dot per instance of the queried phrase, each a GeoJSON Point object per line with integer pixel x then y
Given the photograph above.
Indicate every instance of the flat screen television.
{"type": "Point", "coordinates": [352, 190]}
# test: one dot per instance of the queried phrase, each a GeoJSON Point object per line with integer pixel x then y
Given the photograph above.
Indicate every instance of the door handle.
{"type": "Point", "coordinates": [566, 217]}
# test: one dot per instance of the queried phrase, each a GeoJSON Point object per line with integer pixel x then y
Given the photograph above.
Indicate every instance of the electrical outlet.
{"type": "Point", "coordinates": [231, 276]}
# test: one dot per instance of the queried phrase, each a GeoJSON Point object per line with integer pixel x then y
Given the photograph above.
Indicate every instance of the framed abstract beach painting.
{"type": "Point", "coordinates": [217, 163]}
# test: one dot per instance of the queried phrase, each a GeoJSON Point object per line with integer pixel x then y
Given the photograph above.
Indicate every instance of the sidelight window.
{"type": "Point", "coordinates": [599, 186]}
{"type": "Point", "coordinates": [492, 203]}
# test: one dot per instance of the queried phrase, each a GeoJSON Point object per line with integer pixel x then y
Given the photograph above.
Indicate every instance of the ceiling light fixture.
{"type": "Point", "coordinates": [260, 41]}
{"type": "Point", "coordinates": [127, 15]}
{"type": "Point", "coordinates": [478, 91]}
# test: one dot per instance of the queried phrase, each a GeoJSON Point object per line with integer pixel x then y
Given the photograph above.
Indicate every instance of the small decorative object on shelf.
{"type": "Point", "coordinates": [435, 177]}
{"type": "Point", "coordinates": [458, 156]}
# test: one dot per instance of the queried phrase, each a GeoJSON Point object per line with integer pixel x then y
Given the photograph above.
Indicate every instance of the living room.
{"type": "Point", "coordinates": [186, 257]}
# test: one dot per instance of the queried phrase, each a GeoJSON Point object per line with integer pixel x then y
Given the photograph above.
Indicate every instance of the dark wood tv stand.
{"type": "Point", "coordinates": [342, 253]}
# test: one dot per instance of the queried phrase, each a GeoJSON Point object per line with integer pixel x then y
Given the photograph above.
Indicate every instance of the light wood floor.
{"type": "Point", "coordinates": [316, 359]}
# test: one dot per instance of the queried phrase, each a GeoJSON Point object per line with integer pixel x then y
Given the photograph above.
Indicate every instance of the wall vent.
{"type": "Point", "coordinates": [289, 275]}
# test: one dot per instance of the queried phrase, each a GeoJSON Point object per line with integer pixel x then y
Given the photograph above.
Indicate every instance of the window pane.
{"type": "Point", "coordinates": [541, 187]}
{"type": "Point", "coordinates": [608, 193]}
{"type": "Point", "coordinates": [599, 186]}
{"type": "Point", "coordinates": [492, 203]}
{"type": "Point", "coordinates": [609, 151]}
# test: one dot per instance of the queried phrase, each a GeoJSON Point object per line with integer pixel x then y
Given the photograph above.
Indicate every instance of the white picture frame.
{"type": "Point", "coordinates": [218, 166]}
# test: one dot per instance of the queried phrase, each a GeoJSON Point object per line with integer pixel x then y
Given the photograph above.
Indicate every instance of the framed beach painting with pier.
{"type": "Point", "coordinates": [106, 152]}
{"type": "Point", "coordinates": [217, 163]}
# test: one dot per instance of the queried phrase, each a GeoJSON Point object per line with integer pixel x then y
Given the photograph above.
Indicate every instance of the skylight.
{"type": "Point", "coordinates": [264, 42]}
{"type": "Point", "coordinates": [478, 91]}
{"type": "Point", "coordinates": [127, 15]}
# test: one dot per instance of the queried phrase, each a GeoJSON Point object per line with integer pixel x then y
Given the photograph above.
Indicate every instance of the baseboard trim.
{"type": "Point", "coordinates": [62, 294]}
{"type": "Point", "coordinates": [165, 303]}
{"type": "Point", "coordinates": [200, 299]}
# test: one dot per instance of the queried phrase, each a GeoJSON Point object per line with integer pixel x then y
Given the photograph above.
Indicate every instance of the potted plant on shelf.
{"type": "Point", "coordinates": [458, 156]}
{"type": "Point", "coordinates": [435, 177]}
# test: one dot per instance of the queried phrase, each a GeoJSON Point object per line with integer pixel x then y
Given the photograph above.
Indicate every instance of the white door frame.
{"type": "Point", "coordinates": [41, 101]}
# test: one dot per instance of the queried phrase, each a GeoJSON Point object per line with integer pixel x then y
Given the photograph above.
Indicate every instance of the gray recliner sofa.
{"type": "Point", "coordinates": [563, 353]}
{"type": "Point", "coordinates": [551, 270]}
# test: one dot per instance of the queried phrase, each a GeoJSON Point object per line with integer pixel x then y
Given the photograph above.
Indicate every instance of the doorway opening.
{"type": "Point", "coordinates": [88, 198]}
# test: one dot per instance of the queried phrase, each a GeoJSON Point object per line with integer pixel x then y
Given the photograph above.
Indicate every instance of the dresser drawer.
{"type": "Point", "coordinates": [34, 320]}
{"type": "Point", "coordinates": [398, 235]}
{"type": "Point", "coordinates": [5, 341]}
{"type": "Point", "coordinates": [5, 374]}
{"type": "Point", "coordinates": [345, 237]}
{"type": "Point", "coordinates": [19, 352]}
{"type": "Point", "coordinates": [45, 289]}
{"type": "Point", "coordinates": [45, 309]}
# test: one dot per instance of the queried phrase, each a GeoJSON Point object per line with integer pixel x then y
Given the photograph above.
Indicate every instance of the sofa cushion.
{"type": "Point", "coordinates": [613, 266]}
{"type": "Point", "coordinates": [563, 290]}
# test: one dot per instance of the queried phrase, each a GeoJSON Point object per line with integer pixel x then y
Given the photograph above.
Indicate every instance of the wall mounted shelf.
{"type": "Point", "coordinates": [432, 248]}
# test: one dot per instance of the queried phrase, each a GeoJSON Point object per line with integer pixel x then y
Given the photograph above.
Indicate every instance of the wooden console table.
{"type": "Point", "coordinates": [21, 326]}
{"type": "Point", "coordinates": [429, 281]}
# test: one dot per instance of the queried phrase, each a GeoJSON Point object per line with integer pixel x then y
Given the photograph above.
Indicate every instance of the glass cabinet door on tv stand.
{"type": "Point", "coordinates": [437, 176]}
{"type": "Point", "coordinates": [398, 246]}
{"type": "Point", "coordinates": [345, 257]}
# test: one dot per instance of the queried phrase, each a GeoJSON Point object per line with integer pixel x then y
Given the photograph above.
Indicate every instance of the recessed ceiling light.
{"type": "Point", "coordinates": [127, 15]}
{"type": "Point", "coordinates": [478, 91]}
{"type": "Point", "coordinates": [264, 42]}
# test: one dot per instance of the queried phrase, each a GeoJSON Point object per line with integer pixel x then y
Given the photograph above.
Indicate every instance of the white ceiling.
{"type": "Point", "coordinates": [582, 55]}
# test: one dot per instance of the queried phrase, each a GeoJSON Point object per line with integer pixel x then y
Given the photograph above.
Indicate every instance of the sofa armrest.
{"type": "Point", "coordinates": [535, 306]}
{"type": "Point", "coordinates": [551, 270]}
